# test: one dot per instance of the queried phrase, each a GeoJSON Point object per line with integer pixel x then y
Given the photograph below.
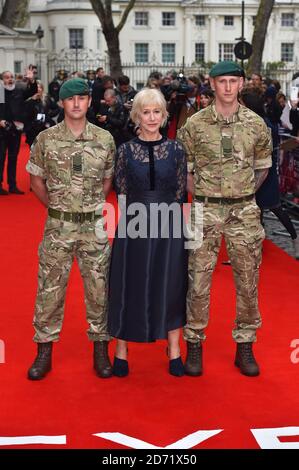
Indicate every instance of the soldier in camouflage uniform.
{"type": "Point", "coordinates": [71, 167]}
{"type": "Point", "coordinates": [229, 151]}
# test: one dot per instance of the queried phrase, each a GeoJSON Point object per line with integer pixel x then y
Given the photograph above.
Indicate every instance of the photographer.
{"type": "Point", "coordinates": [99, 88]}
{"type": "Point", "coordinates": [54, 86]}
{"type": "Point", "coordinates": [40, 110]}
{"type": "Point", "coordinates": [183, 103]}
{"type": "Point", "coordinates": [12, 123]}
{"type": "Point", "coordinates": [125, 94]}
{"type": "Point", "coordinates": [111, 117]}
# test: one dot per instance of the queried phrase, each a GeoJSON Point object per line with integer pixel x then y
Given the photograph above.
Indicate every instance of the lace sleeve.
{"type": "Point", "coordinates": [120, 176]}
{"type": "Point", "coordinates": [181, 192]}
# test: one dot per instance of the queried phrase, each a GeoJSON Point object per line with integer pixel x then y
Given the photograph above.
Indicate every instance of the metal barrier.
{"type": "Point", "coordinates": [85, 59]}
{"type": "Point", "coordinates": [289, 178]}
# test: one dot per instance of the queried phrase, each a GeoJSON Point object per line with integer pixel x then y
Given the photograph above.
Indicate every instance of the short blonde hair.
{"type": "Point", "coordinates": [146, 97]}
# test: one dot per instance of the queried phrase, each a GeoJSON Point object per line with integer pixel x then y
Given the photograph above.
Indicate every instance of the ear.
{"type": "Point", "coordinates": [212, 83]}
{"type": "Point", "coordinates": [241, 83]}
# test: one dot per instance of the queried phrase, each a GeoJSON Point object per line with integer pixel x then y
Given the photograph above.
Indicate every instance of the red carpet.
{"type": "Point", "coordinates": [149, 405]}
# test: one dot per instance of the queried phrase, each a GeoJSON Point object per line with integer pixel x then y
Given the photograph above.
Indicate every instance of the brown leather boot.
{"type": "Point", "coordinates": [101, 361]}
{"type": "Point", "coordinates": [245, 360]}
{"type": "Point", "coordinates": [193, 364]}
{"type": "Point", "coordinates": [42, 363]}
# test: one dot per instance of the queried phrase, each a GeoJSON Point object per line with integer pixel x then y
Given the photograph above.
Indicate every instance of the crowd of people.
{"type": "Point", "coordinates": [216, 137]}
{"type": "Point", "coordinates": [29, 108]}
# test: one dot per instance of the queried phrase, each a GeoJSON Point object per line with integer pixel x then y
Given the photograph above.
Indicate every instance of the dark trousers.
{"type": "Point", "coordinates": [10, 144]}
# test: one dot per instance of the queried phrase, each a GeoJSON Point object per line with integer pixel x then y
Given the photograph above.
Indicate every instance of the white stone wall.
{"type": "Point", "coordinates": [16, 46]}
{"type": "Point", "coordinates": [60, 15]}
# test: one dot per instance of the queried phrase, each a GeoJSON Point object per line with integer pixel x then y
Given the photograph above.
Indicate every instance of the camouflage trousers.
{"type": "Point", "coordinates": [240, 225]}
{"type": "Point", "coordinates": [62, 242]}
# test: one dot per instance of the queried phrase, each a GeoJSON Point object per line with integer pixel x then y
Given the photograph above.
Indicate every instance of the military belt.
{"type": "Point", "coordinates": [224, 200]}
{"type": "Point", "coordinates": [75, 217]}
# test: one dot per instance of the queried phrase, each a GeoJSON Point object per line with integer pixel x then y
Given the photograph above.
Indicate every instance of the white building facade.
{"type": "Point", "coordinates": [158, 33]}
{"type": "Point", "coordinates": [17, 48]}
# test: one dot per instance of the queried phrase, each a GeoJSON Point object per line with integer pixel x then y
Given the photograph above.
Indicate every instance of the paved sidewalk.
{"type": "Point", "coordinates": [272, 225]}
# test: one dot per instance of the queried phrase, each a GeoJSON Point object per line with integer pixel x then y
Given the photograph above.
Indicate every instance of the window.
{"type": "Point", "coordinates": [76, 38]}
{"type": "Point", "coordinates": [141, 18]}
{"type": "Point", "coordinates": [287, 52]}
{"type": "Point", "coordinates": [18, 66]}
{"type": "Point", "coordinates": [168, 53]}
{"type": "Point", "coordinates": [168, 18]}
{"type": "Point", "coordinates": [53, 39]}
{"type": "Point", "coordinates": [228, 21]}
{"type": "Point", "coordinates": [99, 32]}
{"type": "Point", "coordinates": [141, 52]}
{"type": "Point", "coordinates": [139, 85]}
{"type": "Point", "coordinates": [226, 52]}
{"type": "Point", "coordinates": [199, 52]}
{"type": "Point", "coordinates": [200, 20]}
{"type": "Point", "coordinates": [287, 19]}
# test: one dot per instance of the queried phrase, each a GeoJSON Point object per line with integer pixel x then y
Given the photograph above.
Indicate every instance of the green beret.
{"type": "Point", "coordinates": [74, 86]}
{"type": "Point", "coordinates": [226, 68]}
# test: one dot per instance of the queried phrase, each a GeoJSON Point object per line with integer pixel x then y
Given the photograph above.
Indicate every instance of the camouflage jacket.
{"type": "Point", "coordinates": [224, 153]}
{"type": "Point", "coordinates": [74, 168]}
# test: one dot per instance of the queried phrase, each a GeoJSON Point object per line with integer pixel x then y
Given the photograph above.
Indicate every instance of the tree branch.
{"type": "Point", "coordinates": [259, 35]}
{"type": "Point", "coordinates": [125, 15]}
{"type": "Point", "coordinates": [99, 9]}
{"type": "Point", "coordinates": [108, 8]}
{"type": "Point", "coordinates": [14, 13]}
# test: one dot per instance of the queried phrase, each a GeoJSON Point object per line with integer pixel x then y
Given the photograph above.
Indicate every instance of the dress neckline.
{"type": "Point", "coordinates": [150, 143]}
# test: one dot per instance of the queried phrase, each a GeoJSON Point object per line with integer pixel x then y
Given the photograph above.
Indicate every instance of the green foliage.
{"type": "Point", "coordinates": [272, 66]}
{"type": "Point", "coordinates": [204, 65]}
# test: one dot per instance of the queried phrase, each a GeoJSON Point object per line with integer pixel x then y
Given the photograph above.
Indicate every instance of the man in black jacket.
{"type": "Point", "coordinates": [11, 124]}
{"type": "Point", "coordinates": [112, 117]}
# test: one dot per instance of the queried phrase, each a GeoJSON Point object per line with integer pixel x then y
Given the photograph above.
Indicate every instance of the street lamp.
{"type": "Point", "coordinates": [40, 34]}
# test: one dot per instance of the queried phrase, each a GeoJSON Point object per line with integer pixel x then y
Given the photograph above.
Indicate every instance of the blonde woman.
{"type": "Point", "coordinates": [148, 275]}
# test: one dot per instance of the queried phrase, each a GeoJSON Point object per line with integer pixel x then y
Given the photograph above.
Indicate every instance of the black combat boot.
{"type": "Point", "coordinates": [101, 361]}
{"type": "Point", "coordinates": [193, 364]}
{"type": "Point", "coordinates": [42, 363]}
{"type": "Point", "coordinates": [245, 360]}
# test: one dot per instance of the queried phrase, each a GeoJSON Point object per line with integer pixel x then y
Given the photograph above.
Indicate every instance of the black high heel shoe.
{"type": "Point", "coordinates": [120, 367]}
{"type": "Point", "coordinates": [176, 367]}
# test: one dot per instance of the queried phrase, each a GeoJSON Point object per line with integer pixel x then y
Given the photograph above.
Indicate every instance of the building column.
{"type": "Point", "coordinates": [44, 66]}
{"type": "Point", "coordinates": [187, 52]}
{"type": "Point", "coordinates": [212, 52]}
{"type": "Point", "coordinates": [9, 59]}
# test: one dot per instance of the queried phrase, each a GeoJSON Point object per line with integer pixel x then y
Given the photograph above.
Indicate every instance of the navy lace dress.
{"type": "Point", "coordinates": [148, 273]}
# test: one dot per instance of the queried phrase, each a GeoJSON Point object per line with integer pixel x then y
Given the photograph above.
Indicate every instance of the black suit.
{"type": "Point", "coordinates": [13, 109]}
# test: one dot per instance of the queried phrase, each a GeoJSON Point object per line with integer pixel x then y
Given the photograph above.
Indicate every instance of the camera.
{"type": "Point", "coordinates": [180, 85]}
{"type": "Point", "coordinates": [41, 117]}
{"type": "Point", "coordinates": [8, 126]}
{"type": "Point", "coordinates": [128, 105]}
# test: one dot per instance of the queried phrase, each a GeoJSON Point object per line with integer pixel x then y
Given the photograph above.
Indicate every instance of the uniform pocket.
{"type": "Point", "coordinates": [94, 163]}
{"type": "Point", "coordinates": [251, 221]}
{"type": "Point", "coordinates": [251, 215]}
{"type": "Point", "coordinates": [59, 166]}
